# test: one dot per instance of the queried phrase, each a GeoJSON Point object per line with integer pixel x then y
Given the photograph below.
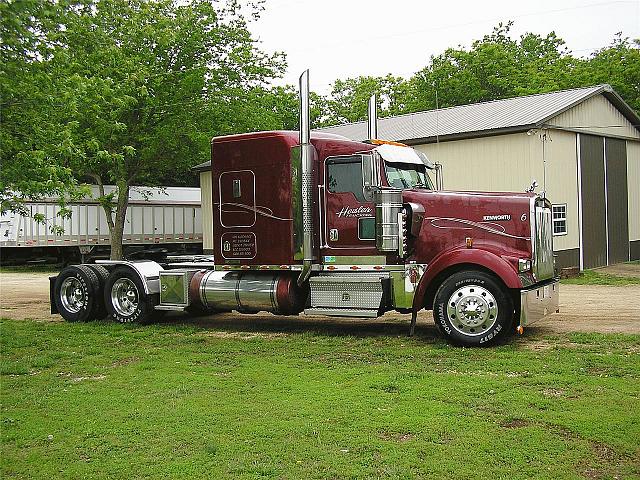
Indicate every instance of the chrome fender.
{"type": "Point", "coordinates": [147, 270]}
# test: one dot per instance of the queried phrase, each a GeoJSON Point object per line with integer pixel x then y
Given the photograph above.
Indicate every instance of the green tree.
{"type": "Point", "coordinates": [255, 109]}
{"type": "Point", "coordinates": [493, 68]}
{"type": "Point", "coordinates": [141, 86]}
{"type": "Point", "coordinates": [618, 65]}
{"type": "Point", "coordinates": [33, 149]}
{"type": "Point", "coordinates": [349, 99]}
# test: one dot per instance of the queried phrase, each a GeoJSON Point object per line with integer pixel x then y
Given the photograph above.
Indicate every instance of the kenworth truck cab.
{"type": "Point", "coordinates": [317, 224]}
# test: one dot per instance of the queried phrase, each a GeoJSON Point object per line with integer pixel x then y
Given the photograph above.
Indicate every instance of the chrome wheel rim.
{"type": "Point", "coordinates": [72, 295]}
{"type": "Point", "coordinates": [472, 310]}
{"type": "Point", "coordinates": [124, 297]}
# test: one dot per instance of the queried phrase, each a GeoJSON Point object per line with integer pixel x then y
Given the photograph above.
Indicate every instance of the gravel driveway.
{"type": "Point", "coordinates": [583, 308]}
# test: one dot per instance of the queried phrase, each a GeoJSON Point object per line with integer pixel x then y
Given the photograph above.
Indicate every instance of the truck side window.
{"type": "Point", "coordinates": [344, 174]}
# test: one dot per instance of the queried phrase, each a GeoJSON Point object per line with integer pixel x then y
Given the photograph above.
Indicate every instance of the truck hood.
{"type": "Point", "coordinates": [494, 221]}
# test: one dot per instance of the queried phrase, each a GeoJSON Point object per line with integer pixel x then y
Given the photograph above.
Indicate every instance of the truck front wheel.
{"type": "Point", "coordinates": [473, 308]}
{"type": "Point", "coordinates": [125, 298]}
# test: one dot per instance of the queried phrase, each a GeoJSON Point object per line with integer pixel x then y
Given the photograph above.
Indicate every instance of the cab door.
{"type": "Point", "coordinates": [349, 218]}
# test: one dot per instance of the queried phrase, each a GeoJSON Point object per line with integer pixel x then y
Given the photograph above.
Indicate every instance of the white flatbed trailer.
{"type": "Point", "coordinates": [155, 217]}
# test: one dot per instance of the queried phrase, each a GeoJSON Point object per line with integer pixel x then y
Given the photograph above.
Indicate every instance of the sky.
{"type": "Point", "coordinates": [349, 38]}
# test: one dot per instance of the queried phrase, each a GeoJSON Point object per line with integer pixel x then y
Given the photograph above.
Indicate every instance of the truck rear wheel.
{"type": "Point", "coordinates": [76, 294]}
{"type": "Point", "coordinates": [473, 308]}
{"type": "Point", "coordinates": [125, 298]}
{"type": "Point", "coordinates": [102, 274]}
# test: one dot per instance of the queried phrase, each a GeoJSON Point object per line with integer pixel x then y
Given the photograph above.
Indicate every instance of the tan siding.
{"type": "Point", "coordinates": [598, 116]}
{"type": "Point", "coordinates": [633, 181]}
{"type": "Point", "coordinates": [510, 163]}
{"type": "Point", "coordinates": [207, 211]}
{"type": "Point", "coordinates": [562, 184]}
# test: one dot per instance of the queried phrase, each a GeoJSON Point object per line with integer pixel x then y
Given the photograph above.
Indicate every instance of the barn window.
{"type": "Point", "coordinates": [560, 219]}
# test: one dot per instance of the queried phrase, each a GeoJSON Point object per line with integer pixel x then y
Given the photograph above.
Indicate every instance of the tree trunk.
{"type": "Point", "coordinates": [122, 203]}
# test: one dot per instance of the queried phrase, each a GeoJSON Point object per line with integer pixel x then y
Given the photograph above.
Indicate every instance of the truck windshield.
{"type": "Point", "coordinates": [408, 175]}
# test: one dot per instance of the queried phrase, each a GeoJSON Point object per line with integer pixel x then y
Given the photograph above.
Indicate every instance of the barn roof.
{"type": "Point", "coordinates": [482, 119]}
{"type": "Point", "coordinates": [201, 167]}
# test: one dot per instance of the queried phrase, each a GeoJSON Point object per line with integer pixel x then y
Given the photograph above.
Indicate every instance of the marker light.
{"type": "Point", "coordinates": [386, 142]}
{"type": "Point", "coordinates": [524, 264]}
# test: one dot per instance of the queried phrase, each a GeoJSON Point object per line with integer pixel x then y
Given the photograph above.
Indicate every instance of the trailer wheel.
{"type": "Point", "coordinates": [76, 293]}
{"type": "Point", "coordinates": [102, 274]}
{"type": "Point", "coordinates": [473, 308]}
{"type": "Point", "coordinates": [125, 298]}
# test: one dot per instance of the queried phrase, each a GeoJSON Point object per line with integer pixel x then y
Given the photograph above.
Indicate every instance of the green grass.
{"type": "Point", "coordinates": [593, 277]}
{"type": "Point", "coordinates": [284, 399]}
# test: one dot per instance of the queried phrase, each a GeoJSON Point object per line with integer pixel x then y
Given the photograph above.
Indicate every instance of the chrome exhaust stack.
{"type": "Point", "coordinates": [306, 156]}
{"type": "Point", "coordinates": [372, 118]}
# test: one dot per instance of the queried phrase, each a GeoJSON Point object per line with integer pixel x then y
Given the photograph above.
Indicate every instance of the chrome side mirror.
{"type": "Point", "coordinates": [439, 177]}
{"type": "Point", "coordinates": [370, 178]}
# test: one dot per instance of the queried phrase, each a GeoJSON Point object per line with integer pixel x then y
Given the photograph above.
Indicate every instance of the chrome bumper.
{"type": "Point", "coordinates": [538, 302]}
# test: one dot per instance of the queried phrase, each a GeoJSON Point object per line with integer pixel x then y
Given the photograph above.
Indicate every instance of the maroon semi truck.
{"type": "Point", "coordinates": [317, 224]}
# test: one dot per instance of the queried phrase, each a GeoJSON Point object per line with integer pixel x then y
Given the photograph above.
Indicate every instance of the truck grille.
{"type": "Point", "coordinates": [543, 267]}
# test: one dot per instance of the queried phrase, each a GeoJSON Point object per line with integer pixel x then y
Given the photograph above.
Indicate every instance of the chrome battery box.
{"type": "Point", "coordinates": [174, 287]}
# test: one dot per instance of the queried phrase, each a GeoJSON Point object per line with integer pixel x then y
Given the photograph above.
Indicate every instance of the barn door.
{"type": "Point", "coordinates": [605, 216]}
{"type": "Point", "coordinates": [594, 221]}
{"type": "Point", "coordinates": [617, 208]}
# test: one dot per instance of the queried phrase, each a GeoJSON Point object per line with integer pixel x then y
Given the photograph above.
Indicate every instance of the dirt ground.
{"type": "Point", "coordinates": [621, 270]}
{"type": "Point", "coordinates": [583, 308]}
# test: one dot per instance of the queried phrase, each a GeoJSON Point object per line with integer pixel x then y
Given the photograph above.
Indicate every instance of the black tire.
{"type": "Point", "coordinates": [77, 293]}
{"type": "Point", "coordinates": [125, 298]}
{"type": "Point", "coordinates": [473, 308]}
{"type": "Point", "coordinates": [102, 273]}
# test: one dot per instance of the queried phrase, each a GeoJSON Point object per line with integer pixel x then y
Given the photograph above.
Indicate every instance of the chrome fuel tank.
{"type": "Point", "coordinates": [251, 292]}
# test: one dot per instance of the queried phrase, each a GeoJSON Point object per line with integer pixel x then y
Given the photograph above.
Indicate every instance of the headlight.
{"type": "Point", "coordinates": [524, 264]}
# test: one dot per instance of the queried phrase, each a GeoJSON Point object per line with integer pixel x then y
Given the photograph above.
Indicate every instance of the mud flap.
{"type": "Point", "coordinates": [52, 302]}
{"type": "Point", "coordinates": [412, 329]}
